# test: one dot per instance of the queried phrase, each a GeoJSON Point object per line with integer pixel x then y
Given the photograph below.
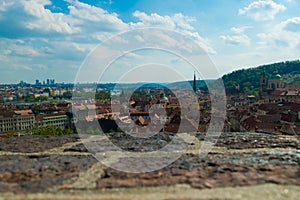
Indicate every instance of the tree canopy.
{"type": "Point", "coordinates": [247, 80]}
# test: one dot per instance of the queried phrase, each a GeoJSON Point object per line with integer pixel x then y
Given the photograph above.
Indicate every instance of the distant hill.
{"type": "Point", "coordinates": [248, 79]}
{"type": "Point", "coordinates": [182, 84]}
{"type": "Point", "coordinates": [292, 78]}
{"type": "Point", "coordinates": [178, 85]}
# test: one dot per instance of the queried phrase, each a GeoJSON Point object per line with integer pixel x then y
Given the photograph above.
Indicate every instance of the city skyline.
{"type": "Point", "coordinates": [44, 38]}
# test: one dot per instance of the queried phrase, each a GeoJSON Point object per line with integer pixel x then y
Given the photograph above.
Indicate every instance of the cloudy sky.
{"type": "Point", "coordinates": [50, 38]}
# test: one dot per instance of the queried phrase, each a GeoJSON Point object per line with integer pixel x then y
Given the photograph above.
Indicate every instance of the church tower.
{"type": "Point", "coordinates": [195, 84]}
{"type": "Point", "coordinates": [262, 84]}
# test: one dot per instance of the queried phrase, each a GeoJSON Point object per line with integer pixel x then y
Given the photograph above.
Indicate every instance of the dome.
{"type": "Point", "coordinates": [276, 77]}
{"type": "Point", "coordinates": [164, 98]}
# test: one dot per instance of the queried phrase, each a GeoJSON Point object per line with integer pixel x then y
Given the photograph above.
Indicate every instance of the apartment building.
{"type": "Point", "coordinates": [57, 120]}
{"type": "Point", "coordinates": [16, 121]}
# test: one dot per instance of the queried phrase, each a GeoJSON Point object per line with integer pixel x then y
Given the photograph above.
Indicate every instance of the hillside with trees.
{"type": "Point", "coordinates": [247, 80]}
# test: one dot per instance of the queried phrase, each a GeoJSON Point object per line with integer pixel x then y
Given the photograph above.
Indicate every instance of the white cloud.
{"type": "Point", "coordinates": [35, 36]}
{"type": "Point", "coordinates": [153, 19]}
{"type": "Point", "coordinates": [292, 24]}
{"type": "Point", "coordinates": [239, 39]}
{"type": "Point", "coordinates": [139, 38]}
{"type": "Point", "coordinates": [183, 21]}
{"type": "Point", "coordinates": [239, 30]}
{"type": "Point", "coordinates": [5, 5]}
{"type": "Point", "coordinates": [91, 18]}
{"type": "Point", "coordinates": [284, 35]}
{"type": "Point", "coordinates": [204, 43]}
{"type": "Point", "coordinates": [10, 47]}
{"type": "Point", "coordinates": [109, 2]}
{"type": "Point", "coordinates": [177, 22]}
{"type": "Point", "coordinates": [236, 39]}
{"type": "Point", "coordinates": [29, 18]}
{"type": "Point", "coordinates": [262, 10]}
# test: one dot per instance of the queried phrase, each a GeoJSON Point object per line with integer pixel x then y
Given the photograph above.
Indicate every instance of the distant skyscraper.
{"type": "Point", "coordinates": [37, 82]}
{"type": "Point", "coordinates": [22, 83]}
{"type": "Point", "coordinates": [48, 82]}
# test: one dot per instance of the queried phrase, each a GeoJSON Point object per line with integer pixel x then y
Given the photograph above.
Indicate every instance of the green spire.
{"type": "Point", "coordinates": [195, 84]}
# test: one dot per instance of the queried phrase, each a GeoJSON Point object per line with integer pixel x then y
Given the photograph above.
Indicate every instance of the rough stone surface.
{"type": "Point", "coordinates": [62, 165]}
{"type": "Point", "coordinates": [24, 174]}
{"type": "Point", "coordinates": [256, 140]}
{"type": "Point", "coordinates": [213, 171]}
{"type": "Point", "coordinates": [35, 143]}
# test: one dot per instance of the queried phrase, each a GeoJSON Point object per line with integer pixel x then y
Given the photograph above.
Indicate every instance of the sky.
{"type": "Point", "coordinates": [42, 39]}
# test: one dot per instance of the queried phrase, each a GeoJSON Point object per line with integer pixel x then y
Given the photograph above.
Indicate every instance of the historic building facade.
{"type": "Point", "coordinates": [16, 121]}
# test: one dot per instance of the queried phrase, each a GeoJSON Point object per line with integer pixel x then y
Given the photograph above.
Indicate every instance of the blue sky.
{"type": "Point", "coordinates": [42, 39]}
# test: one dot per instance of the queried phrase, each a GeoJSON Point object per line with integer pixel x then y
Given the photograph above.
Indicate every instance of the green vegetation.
{"type": "Point", "coordinates": [51, 130]}
{"type": "Point", "coordinates": [102, 95]}
{"type": "Point", "coordinates": [30, 98]}
{"type": "Point", "coordinates": [248, 79]}
{"type": "Point", "coordinates": [94, 131]}
{"type": "Point", "coordinates": [118, 130]}
{"type": "Point", "coordinates": [292, 79]}
{"type": "Point", "coordinates": [67, 95]}
{"type": "Point", "coordinates": [90, 130]}
{"type": "Point", "coordinates": [36, 108]}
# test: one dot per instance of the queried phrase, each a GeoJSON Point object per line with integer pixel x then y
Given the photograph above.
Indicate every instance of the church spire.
{"type": "Point", "coordinates": [195, 84]}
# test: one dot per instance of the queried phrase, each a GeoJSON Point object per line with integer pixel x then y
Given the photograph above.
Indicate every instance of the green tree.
{"type": "Point", "coordinates": [68, 131]}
